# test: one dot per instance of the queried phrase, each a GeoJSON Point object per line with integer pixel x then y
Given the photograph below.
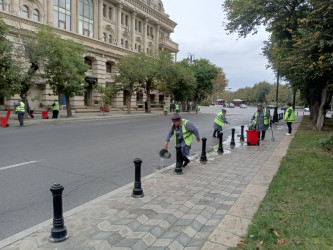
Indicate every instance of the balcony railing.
{"type": "Point", "coordinates": [169, 44]}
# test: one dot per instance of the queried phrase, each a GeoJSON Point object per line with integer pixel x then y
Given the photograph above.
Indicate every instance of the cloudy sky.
{"type": "Point", "coordinates": [200, 32]}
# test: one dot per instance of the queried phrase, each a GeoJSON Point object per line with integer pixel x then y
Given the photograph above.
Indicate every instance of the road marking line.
{"type": "Point", "coordinates": [17, 165]}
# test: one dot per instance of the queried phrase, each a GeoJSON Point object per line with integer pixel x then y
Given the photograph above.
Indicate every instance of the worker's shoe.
{"type": "Point", "coordinates": [186, 162]}
{"type": "Point", "coordinates": [214, 134]}
{"type": "Point", "coordinates": [288, 134]}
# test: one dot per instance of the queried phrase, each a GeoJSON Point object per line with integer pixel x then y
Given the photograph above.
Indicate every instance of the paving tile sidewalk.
{"type": "Point", "coordinates": [208, 207]}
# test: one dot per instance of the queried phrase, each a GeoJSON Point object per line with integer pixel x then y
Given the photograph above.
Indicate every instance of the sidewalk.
{"type": "Point", "coordinates": [89, 116]}
{"type": "Point", "coordinates": [208, 207]}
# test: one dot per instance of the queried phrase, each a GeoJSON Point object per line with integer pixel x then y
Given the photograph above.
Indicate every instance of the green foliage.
{"type": "Point", "coordinates": [327, 143]}
{"type": "Point", "coordinates": [204, 103]}
{"type": "Point", "coordinates": [106, 93]}
{"type": "Point", "coordinates": [10, 69]}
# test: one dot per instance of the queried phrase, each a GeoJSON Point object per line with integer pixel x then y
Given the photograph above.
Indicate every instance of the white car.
{"type": "Point", "coordinates": [243, 106]}
{"type": "Point", "coordinates": [307, 109]}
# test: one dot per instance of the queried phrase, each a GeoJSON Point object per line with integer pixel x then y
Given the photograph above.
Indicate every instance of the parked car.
{"type": "Point", "coordinates": [243, 106]}
{"type": "Point", "coordinates": [226, 105]}
{"type": "Point", "coordinates": [307, 109]}
{"type": "Point", "coordinates": [231, 105]}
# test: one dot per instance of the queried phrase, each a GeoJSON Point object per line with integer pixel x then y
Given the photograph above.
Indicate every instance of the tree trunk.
{"type": "Point", "coordinates": [321, 113]}
{"type": "Point", "coordinates": [148, 89]}
{"type": "Point", "coordinates": [68, 106]}
{"type": "Point", "coordinates": [128, 101]}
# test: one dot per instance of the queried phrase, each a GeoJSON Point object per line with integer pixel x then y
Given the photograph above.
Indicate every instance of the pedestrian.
{"type": "Point", "coordinates": [55, 108]}
{"type": "Point", "coordinates": [165, 109]}
{"type": "Point", "coordinates": [219, 122]}
{"type": "Point", "coordinates": [183, 132]}
{"type": "Point", "coordinates": [289, 117]}
{"type": "Point", "coordinates": [20, 110]}
{"type": "Point", "coordinates": [177, 108]}
{"type": "Point", "coordinates": [196, 109]}
{"type": "Point", "coordinates": [261, 118]}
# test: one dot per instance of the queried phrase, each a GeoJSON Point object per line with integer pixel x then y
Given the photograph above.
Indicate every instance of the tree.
{"type": "Point", "coordinates": [300, 46]}
{"type": "Point", "coordinates": [220, 83]}
{"type": "Point", "coordinates": [10, 77]}
{"type": "Point", "coordinates": [64, 67]}
{"type": "Point", "coordinates": [130, 76]}
{"type": "Point", "coordinates": [106, 93]}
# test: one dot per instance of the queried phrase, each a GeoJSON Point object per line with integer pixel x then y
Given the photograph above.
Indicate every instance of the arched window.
{"type": "Point", "coordinates": [88, 62]}
{"type": "Point", "coordinates": [35, 14]}
{"type": "Point", "coordinates": [108, 67]}
{"type": "Point", "coordinates": [25, 12]}
{"type": "Point", "coordinates": [62, 14]}
{"type": "Point", "coordinates": [110, 39]}
{"type": "Point", "coordinates": [86, 18]}
{"type": "Point", "coordinates": [1, 5]}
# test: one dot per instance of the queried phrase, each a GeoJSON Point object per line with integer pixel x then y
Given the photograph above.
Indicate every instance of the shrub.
{"type": "Point", "coordinates": [205, 103]}
{"type": "Point", "coordinates": [327, 143]}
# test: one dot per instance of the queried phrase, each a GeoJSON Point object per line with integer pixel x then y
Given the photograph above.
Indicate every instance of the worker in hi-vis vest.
{"type": "Point", "coordinates": [261, 120]}
{"type": "Point", "coordinates": [289, 117]}
{"type": "Point", "coordinates": [219, 121]}
{"type": "Point", "coordinates": [20, 110]}
{"type": "Point", "coordinates": [55, 108]}
{"type": "Point", "coordinates": [177, 108]}
{"type": "Point", "coordinates": [183, 132]}
{"type": "Point", "coordinates": [165, 109]}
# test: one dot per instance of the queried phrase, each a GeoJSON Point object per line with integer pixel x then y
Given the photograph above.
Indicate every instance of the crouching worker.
{"type": "Point", "coordinates": [183, 132]}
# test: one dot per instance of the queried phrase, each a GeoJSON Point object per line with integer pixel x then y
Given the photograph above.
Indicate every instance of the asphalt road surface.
{"type": "Point", "coordinates": [88, 158]}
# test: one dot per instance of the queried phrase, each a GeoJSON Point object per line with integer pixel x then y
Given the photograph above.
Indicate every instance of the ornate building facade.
{"type": "Point", "coordinates": [109, 29]}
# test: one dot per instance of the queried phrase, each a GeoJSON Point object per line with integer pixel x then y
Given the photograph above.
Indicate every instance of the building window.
{"type": "Point", "coordinates": [86, 18]}
{"type": "Point", "coordinates": [25, 12]}
{"type": "Point", "coordinates": [140, 26]}
{"type": "Point", "coordinates": [104, 10]}
{"type": "Point", "coordinates": [36, 15]}
{"type": "Point", "coordinates": [108, 67]}
{"type": "Point", "coordinates": [1, 8]}
{"type": "Point", "coordinates": [139, 48]}
{"type": "Point", "coordinates": [122, 43]}
{"type": "Point", "coordinates": [126, 44]}
{"type": "Point", "coordinates": [126, 20]}
{"type": "Point", "coordinates": [122, 18]}
{"type": "Point", "coordinates": [104, 37]}
{"type": "Point", "coordinates": [110, 13]}
{"type": "Point", "coordinates": [88, 62]}
{"type": "Point", "coordinates": [159, 7]}
{"type": "Point", "coordinates": [148, 2]}
{"type": "Point", "coordinates": [62, 14]}
{"type": "Point", "coordinates": [110, 39]}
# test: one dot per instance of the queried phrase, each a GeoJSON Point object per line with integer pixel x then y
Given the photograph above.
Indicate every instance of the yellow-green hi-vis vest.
{"type": "Point", "coordinates": [21, 107]}
{"type": "Point", "coordinates": [218, 119]}
{"type": "Point", "coordinates": [292, 116]}
{"type": "Point", "coordinates": [265, 117]}
{"type": "Point", "coordinates": [187, 135]}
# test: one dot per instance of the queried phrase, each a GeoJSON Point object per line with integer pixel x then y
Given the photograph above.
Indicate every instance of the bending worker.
{"type": "Point", "coordinates": [261, 120]}
{"type": "Point", "coordinates": [183, 132]}
{"type": "Point", "coordinates": [219, 122]}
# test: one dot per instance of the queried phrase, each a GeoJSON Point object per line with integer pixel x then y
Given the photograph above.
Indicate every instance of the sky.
{"type": "Point", "coordinates": [200, 31]}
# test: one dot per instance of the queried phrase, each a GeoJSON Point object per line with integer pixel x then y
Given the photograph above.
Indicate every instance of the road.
{"type": "Point", "coordinates": [88, 158]}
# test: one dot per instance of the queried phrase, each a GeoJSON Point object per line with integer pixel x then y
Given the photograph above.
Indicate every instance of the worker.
{"type": "Point", "coordinates": [165, 109]}
{"type": "Point", "coordinates": [261, 118]}
{"type": "Point", "coordinates": [55, 108]}
{"type": "Point", "coordinates": [177, 108]}
{"type": "Point", "coordinates": [20, 110]}
{"type": "Point", "coordinates": [289, 117]}
{"type": "Point", "coordinates": [196, 109]}
{"type": "Point", "coordinates": [219, 122]}
{"type": "Point", "coordinates": [183, 132]}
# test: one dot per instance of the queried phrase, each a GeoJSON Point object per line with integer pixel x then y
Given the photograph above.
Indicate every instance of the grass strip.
{"type": "Point", "coordinates": [297, 211]}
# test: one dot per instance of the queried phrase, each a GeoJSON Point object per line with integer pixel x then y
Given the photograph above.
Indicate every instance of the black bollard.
{"type": "Point", "coordinates": [232, 143]}
{"type": "Point", "coordinates": [179, 162]}
{"type": "Point", "coordinates": [203, 157]}
{"type": "Point", "coordinates": [137, 190]}
{"type": "Point", "coordinates": [59, 230]}
{"type": "Point", "coordinates": [220, 149]}
{"type": "Point", "coordinates": [242, 133]}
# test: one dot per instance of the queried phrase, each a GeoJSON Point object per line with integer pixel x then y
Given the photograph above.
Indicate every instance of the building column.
{"type": "Point", "coordinates": [74, 16]}
{"type": "Point", "coordinates": [133, 30]}
{"type": "Point", "coordinates": [49, 13]}
{"type": "Point", "coordinates": [157, 37]}
{"type": "Point", "coordinates": [100, 19]}
{"type": "Point", "coordinates": [145, 22]}
{"type": "Point", "coordinates": [120, 7]}
{"type": "Point", "coordinates": [96, 19]}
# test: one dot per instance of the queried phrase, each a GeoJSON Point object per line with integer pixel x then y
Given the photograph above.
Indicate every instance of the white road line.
{"type": "Point", "coordinates": [17, 165]}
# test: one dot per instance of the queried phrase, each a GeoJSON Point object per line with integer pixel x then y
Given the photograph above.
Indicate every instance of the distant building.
{"type": "Point", "coordinates": [108, 29]}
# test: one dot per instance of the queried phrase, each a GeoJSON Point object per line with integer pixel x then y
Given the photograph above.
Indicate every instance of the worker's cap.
{"type": "Point", "coordinates": [259, 105]}
{"type": "Point", "coordinates": [175, 117]}
{"type": "Point", "coordinates": [224, 111]}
